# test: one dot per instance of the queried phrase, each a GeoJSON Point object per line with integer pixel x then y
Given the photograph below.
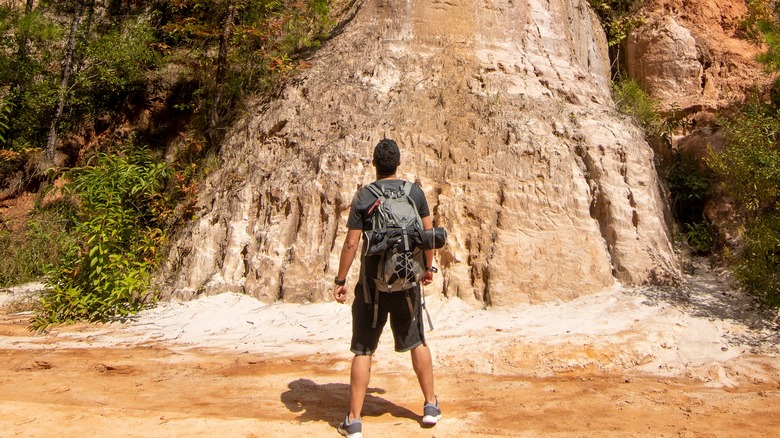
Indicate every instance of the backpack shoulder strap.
{"type": "Point", "coordinates": [375, 190]}
{"type": "Point", "coordinates": [407, 188]}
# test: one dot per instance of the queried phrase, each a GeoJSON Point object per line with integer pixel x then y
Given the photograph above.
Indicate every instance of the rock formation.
{"type": "Point", "coordinates": [687, 54]}
{"type": "Point", "coordinates": [503, 112]}
{"type": "Point", "coordinates": [689, 57]}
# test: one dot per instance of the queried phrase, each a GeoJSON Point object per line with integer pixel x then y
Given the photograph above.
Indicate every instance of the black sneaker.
{"type": "Point", "coordinates": [351, 430]}
{"type": "Point", "coordinates": [431, 413]}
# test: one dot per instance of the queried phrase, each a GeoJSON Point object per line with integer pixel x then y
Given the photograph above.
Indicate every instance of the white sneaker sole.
{"type": "Point", "coordinates": [431, 420]}
{"type": "Point", "coordinates": [353, 435]}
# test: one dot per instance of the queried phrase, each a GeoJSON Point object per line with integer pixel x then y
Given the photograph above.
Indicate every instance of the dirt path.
{"type": "Point", "coordinates": [158, 391]}
{"type": "Point", "coordinates": [693, 362]}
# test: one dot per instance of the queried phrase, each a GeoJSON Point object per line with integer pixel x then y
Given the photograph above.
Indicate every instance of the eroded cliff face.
{"type": "Point", "coordinates": [503, 113]}
{"type": "Point", "coordinates": [689, 56]}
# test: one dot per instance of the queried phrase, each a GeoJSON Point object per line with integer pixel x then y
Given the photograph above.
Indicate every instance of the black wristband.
{"type": "Point", "coordinates": [340, 282]}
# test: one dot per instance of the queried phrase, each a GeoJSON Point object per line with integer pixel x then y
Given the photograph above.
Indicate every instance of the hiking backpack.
{"type": "Point", "coordinates": [398, 238]}
{"type": "Point", "coordinates": [395, 238]}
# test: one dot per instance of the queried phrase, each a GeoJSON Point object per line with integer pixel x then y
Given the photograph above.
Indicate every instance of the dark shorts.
{"type": "Point", "coordinates": [407, 330]}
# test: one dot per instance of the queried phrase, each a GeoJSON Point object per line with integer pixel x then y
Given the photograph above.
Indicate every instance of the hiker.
{"type": "Point", "coordinates": [373, 303]}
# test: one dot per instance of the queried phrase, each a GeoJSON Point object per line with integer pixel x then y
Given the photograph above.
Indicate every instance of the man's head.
{"type": "Point", "coordinates": [387, 157]}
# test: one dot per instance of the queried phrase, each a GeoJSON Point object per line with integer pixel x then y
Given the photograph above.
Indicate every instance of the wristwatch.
{"type": "Point", "coordinates": [340, 282]}
{"type": "Point", "coordinates": [432, 269]}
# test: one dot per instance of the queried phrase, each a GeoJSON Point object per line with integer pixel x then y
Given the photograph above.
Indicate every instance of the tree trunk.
{"type": "Point", "coordinates": [66, 71]}
{"type": "Point", "coordinates": [224, 44]}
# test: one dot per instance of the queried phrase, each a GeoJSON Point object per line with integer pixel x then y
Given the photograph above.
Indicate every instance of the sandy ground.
{"type": "Point", "coordinates": [687, 362]}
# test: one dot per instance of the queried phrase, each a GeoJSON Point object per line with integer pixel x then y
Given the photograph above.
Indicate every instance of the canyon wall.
{"type": "Point", "coordinates": [503, 113]}
{"type": "Point", "coordinates": [692, 58]}
{"type": "Point", "coordinates": [689, 55]}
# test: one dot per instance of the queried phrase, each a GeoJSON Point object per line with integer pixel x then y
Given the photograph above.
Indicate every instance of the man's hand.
{"type": "Point", "coordinates": [340, 294]}
{"type": "Point", "coordinates": [427, 278]}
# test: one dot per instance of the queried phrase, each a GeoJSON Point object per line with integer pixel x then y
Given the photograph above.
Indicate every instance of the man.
{"type": "Point", "coordinates": [407, 328]}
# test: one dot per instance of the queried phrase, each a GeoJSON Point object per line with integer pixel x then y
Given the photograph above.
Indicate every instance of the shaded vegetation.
{"type": "Point", "coordinates": [134, 98]}
{"type": "Point", "coordinates": [25, 256]}
{"type": "Point", "coordinates": [617, 18]}
{"type": "Point", "coordinates": [688, 181]}
{"type": "Point", "coordinates": [749, 171]}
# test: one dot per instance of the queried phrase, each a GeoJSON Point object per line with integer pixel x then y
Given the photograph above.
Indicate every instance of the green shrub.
{"type": "Point", "coordinates": [757, 265]}
{"type": "Point", "coordinates": [749, 171]}
{"type": "Point", "coordinates": [689, 187]}
{"type": "Point", "coordinates": [106, 269]}
{"type": "Point", "coordinates": [617, 18]}
{"type": "Point", "coordinates": [26, 256]}
{"type": "Point", "coordinates": [631, 99]}
{"type": "Point", "coordinates": [750, 163]}
{"type": "Point", "coordinates": [699, 236]}
{"type": "Point", "coordinates": [28, 54]}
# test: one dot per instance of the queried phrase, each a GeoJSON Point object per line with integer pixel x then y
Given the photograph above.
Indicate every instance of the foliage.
{"type": "Point", "coordinates": [688, 182]}
{"type": "Point", "coordinates": [750, 162]}
{"type": "Point", "coordinates": [106, 269]}
{"type": "Point", "coordinates": [689, 186]}
{"type": "Point", "coordinates": [757, 265]}
{"type": "Point", "coordinates": [120, 50]}
{"type": "Point", "coordinates": [115, 65]}
{"type": "Point", "coordinates": [260, 41]}
{"type": "Point", "coordinates": [28, 53]}
{"type": "Point", "coordinates": [24, 256]}
{"type": "Point", "coordinates": [759, 13]}
{"type": "Point", "coordinates": [699, 236]}
{"type": "Point", "coordinates": [4, 109]}
{"type": "Point", "coordinates": [617, 17]}
{"type": "Point", "coordinates": [631, 99]}
{"type": "Point", "coordinates": [122, 57]}
{"type": "Point", "coordinates": [749, 171]}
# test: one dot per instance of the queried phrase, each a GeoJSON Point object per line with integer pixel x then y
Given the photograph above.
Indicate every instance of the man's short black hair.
{"type": "Point", "coordinates": [386, 157]}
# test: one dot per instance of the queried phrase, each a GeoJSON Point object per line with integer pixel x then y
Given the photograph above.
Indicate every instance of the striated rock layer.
{"type": "Point", "coordinates": [503, 113]}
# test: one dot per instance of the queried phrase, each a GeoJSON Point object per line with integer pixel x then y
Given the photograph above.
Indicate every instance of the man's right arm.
{"type": "Point", "coordinates": [348, 252]}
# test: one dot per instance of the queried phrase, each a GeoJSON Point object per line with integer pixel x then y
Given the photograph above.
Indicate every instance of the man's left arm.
{"type": "Point", "coordinates": [348, 252]}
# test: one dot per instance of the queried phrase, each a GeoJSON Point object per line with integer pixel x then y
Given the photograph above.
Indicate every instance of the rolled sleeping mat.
{"type": "Point", "coordinates": [434, 238]}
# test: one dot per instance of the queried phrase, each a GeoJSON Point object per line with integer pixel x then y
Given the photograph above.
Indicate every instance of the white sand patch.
{"type": "Point", "coordinates": [685, 331]}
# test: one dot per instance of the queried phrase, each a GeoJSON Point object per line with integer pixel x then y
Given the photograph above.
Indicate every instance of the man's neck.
{"type": "Point", "coordinates": [381, 177]}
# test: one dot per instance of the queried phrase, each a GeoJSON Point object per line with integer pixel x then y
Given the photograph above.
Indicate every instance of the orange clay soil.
{"type": "Point", "coordinates": [157, 391]}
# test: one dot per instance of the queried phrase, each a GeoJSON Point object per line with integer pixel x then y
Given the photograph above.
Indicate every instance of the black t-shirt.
{"type": "Point", "coordinates": [359, 220]}
{"type": "Point", "coordinates": [364, 199]}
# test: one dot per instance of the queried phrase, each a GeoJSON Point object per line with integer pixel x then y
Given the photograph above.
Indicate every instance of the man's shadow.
{"type": "Point", "coordinates": [329, 402]}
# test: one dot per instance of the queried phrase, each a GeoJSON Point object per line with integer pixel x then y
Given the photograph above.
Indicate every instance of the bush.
{"type": "Point", "coordinates": [29, 50]}
{"type": "Point", "coordinates": [116, 64]}
{"type": "Point", "coordinates": [26, 256]}
{"type": "Point", "coordinates": [105, 271]}
{"type": "Point", "coordinates": [757, 266]}
{"type": "Point", "coordinates": [749, 170]}
{"type": "Point", "coordinates": [689, 187]}
{"type": "Point", "coordinates": [750, 163]}
{"type": "Point", "coordinates": [631, 99]}
{"type": "Point", "coordinates": [617, 18]}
